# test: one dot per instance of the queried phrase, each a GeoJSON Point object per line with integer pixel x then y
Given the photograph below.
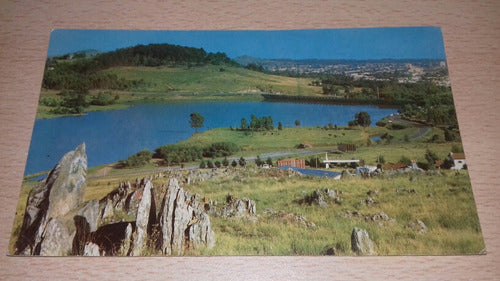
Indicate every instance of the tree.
{"type": "Point", "coordinates": [203, 165]}
{"type": "Point", "coordinates": [217, 164]}
{"type": "Point", "coordinates": [258, 161]}
{"type": "Point", "coordinates": [431, 158]}
{"type": "Point", "coordinates": [280, 126]}
{"type": "Point", "coordinates": [196, 120]}
{"type": "Point", "coordinates": [244, 124]}
{"type": "Point", "coordinates": [234, 164]}
{"type": "Point", "coordinates": [242, 161]}
{"type": "Point", "coordinates": [210, 164]}
{"type": "Point", "coordinates": [255, 123]}
{"type": "Point", "coordinates": [269, 161]}
{"type": "Point", "coordinates": [297, 123]}
{"type": "Point", "coordinates": [225, 162]}
{"type": "Point", "coordinates": [362, 119]}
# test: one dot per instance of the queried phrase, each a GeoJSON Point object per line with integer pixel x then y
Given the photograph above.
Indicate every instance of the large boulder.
{"type": "Point", "coordinates": [184, 224]}
{"type": "Point", "coordinates": [61, 192]}
{"type": "Point", "coordinates": [361, 243]}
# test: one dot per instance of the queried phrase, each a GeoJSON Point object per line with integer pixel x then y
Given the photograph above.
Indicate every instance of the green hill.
{"type": "Point", "coordinates": [210, 79]}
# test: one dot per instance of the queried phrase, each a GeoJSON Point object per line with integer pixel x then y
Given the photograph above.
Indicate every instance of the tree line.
{"type": "Point", "coordinates": [264, 123]}
{"type": "Point", "coordinates": [174, 154]}
{"type": "Point", "coordinates": [423, 101]}
{"type": "Point", "coordinates": [84, 73]}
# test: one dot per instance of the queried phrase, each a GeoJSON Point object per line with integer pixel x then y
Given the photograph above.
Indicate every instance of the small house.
{"type": "Point", "coordinates": [458, 160]}
{"type": "Point", "coordinates": [292, 162]}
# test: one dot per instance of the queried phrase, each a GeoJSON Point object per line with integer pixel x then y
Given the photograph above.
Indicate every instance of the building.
{"type": "Point", "coordinates": [329, 162]}
{"type": "Point", "coordinates": [458, 161]}
{"type": "Point", "coordinates": [292, 162]}
{"type": "Point", "coordinates": [346, 147]}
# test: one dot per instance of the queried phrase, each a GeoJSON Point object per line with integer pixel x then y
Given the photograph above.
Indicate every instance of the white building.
{"type": "Point", "coordinates": [458, 160]}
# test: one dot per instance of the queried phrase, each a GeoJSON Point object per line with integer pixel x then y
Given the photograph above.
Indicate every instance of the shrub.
{"type": "Point", "coordinates": [381, 123]}
{"type": "Point", "coordinates": [398, 126]}
{"type": "Point", "coordinates": [220, 149]}
{"type": "Point", "coordinates": [405, 160]}
{"type": "Point", "coordinates": [103, 98]}
{"type": "Point", "coordinates": [139, 159]}
{"type": "Point", "coordinates": [176, 154]}
{"type": "Point", "coordinates": [50, 101]}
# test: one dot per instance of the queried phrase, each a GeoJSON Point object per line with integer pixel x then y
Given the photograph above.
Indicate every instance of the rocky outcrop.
{"type": "Point", "coordinates": [322, 197]}
{"type": "Point", "coordinates": [361, 243]}
{"type": "Point", "coordinates": [44, 230]}
{"type": "Point", "coordinates": [233, 207]}
{"type": "Point", "coordinates": [184, 224]}
{"type": "Point", "coordinates": [125, 222]}
{"type": "Point", "coordinates": [418, 226]}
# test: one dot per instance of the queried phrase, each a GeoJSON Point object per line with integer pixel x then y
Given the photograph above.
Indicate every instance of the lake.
{"type": "Point", "coordinates": [114, 135]}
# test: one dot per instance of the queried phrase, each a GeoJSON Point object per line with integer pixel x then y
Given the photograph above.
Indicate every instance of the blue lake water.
{"type": "Point", "coordinates": [312, 172]}
{"type": "Point", "coordinates": [114, 135]}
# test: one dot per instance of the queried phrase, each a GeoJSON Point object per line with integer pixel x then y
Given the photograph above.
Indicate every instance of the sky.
{"type": "Point", "coordinates": [355, 43]}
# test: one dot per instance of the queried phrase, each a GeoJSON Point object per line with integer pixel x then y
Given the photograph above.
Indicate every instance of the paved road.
{"type": "Point", "coordinates": [263, 156]}
{"type": "Point", "coordinates": [422, 131]}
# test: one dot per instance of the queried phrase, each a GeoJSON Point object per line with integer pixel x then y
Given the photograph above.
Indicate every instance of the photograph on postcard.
{"type": "Point", "coordinates": [340, 142]}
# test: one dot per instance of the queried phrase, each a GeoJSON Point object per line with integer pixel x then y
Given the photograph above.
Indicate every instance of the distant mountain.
{"type": "Point", "coordinates": [79, 54]}
{"type": "Point", "coordinates": [89, 52]}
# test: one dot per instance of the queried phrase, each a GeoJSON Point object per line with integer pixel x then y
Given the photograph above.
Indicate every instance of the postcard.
{"type": "Point", "coordinates": [339, 142]}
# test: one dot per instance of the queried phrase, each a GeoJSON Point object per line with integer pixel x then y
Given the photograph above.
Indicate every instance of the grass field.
{"type": "Point", "coordinates": [255, 143]}
{"type": "Point", "coordinates": [450, 232]}
{"type": "Point", "coordinates": [212, 79]}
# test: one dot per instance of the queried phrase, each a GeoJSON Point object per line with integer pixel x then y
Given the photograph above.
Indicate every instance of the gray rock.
{"type": "Point", "coordinates": [57, 241]}
{"type": "Point", "coordinates": [90, 211]}
{"type": "Point", "coordinates": [184, 223]}
{"type": "Point", "coordinates": [233, 207]}
{"type": "Point", "coordinates": [321, 197]}
{"type": "Point", "coordinates": [361, 243]}
{"type": "Point", "coordinates": [91, 249]}
{"type": "Point", "coordinates": [125, 248]}
{"type": "Point", "coordinates": [142, 220]}
{"type": "Point", "coordinates": [61, 192]}
{"type": "Point", "coordinates": [418, 226]}
{"type": "Point", "coordinates": [108, 211]}
{"type": "Point", "coordinates": [67, 182]}
{"type": "Point", "coordinates": [369, 201]}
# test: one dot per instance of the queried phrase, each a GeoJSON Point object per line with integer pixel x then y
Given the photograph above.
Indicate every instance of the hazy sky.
{"type": "Point", "coordinates": [361, 43]}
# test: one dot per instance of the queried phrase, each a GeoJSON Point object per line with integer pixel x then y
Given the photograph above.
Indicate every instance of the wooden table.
{"type": "Point", "coordinates": [472, 38]}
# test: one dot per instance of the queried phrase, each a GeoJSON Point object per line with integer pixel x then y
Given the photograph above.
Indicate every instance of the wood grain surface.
{"type": "Point", "coordinates": [471, 31]}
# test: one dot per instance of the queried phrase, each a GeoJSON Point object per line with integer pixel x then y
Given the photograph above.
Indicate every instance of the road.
{"type": "Point", "coordinates": [422, 128]}
{"type": "Point", "coordinates": [263, 156]}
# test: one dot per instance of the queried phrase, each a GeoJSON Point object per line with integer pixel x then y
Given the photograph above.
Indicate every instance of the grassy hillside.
{"type": "Point", "coordinates": [449, 232]}
{"type": "Point", "coordinates": [211, 79]}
